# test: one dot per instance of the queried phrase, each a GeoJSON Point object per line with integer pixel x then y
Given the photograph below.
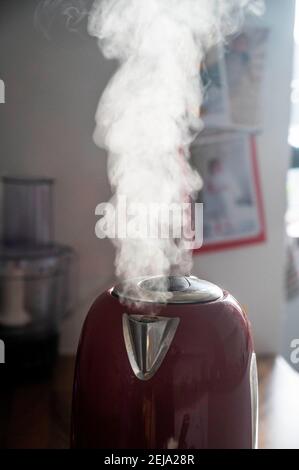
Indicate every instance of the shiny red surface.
{"type": "Point", "coordinates": [199, 398]}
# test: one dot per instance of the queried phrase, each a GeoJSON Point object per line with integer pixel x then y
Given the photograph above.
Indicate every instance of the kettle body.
{"type": "Point", "coordinates": [179, 376]}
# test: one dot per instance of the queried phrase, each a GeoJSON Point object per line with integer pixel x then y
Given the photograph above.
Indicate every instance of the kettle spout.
{"type": "Point", "coordinates": [147, 340]}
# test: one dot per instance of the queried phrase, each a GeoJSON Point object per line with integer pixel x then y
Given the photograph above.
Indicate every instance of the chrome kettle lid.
{"type": "Point", "coordinates": [168, 289]}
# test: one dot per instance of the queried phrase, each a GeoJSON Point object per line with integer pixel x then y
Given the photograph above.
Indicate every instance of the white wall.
{"type": "Point", "coordinates": [255, 274]}
{"type": "Point", "coordinates": [46, 125]}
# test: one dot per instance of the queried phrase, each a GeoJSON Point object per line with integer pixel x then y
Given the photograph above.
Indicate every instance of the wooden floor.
{"type": "Point", "coordinates": [38, 415]}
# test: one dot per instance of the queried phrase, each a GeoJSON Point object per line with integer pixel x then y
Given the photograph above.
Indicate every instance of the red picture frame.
{"type": "Point", "coordinates": [260, 236]}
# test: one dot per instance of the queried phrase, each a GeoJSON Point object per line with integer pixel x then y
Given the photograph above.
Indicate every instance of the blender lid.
{"type": "Point", "coordinates": [34, 261]}
{"type": "Point", "coordinates": [30, 180]}
{"type": "Point", "coordinates": [172, 289]}
{"type": "Point", "coordinates": [32, 253]}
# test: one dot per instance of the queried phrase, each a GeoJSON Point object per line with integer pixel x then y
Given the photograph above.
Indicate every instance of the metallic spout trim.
{"type": "Point", "coordinates": [147, 340]}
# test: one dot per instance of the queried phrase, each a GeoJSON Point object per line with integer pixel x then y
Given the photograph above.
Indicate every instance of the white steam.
{"type": "Point", "coordinates": [149, 112]}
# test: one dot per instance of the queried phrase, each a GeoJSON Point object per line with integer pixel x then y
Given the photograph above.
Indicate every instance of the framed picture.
{"type": "Point", "coordinates": [232, 79]}
{"type": "Point", "coordinates": [233, 212]}
{"type": "Point", "coordinates": [245, 59]}
{"type": "Point", "coordinates": [215, 109]}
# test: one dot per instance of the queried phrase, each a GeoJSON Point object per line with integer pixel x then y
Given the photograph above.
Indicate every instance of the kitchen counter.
{"type": "Point", "coordinates": [38, 415]}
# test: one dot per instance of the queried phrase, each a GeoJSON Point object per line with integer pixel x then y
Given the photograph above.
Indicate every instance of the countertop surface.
{"type": "Point", "coordinates": [38, 415]}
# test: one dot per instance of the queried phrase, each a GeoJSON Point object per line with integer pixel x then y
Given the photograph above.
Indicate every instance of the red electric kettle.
{"type": "Point", "coordinates": [179, 374]}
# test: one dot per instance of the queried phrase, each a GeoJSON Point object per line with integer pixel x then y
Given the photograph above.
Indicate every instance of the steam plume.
{"type": "Point", "coordinates": [148, 114]}
{"type": "Point", "coordinates": [73, 13]}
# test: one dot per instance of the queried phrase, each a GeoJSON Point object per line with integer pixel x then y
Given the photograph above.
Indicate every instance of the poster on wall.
{"type": "Point", "coordinates": [233, 78]}
{"type": "Point", "coordinates": [233, 212]}
{"type": "Point", "coordinates": [215, 109]}
{"type": "Point", "coordinates": [245, 59]}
